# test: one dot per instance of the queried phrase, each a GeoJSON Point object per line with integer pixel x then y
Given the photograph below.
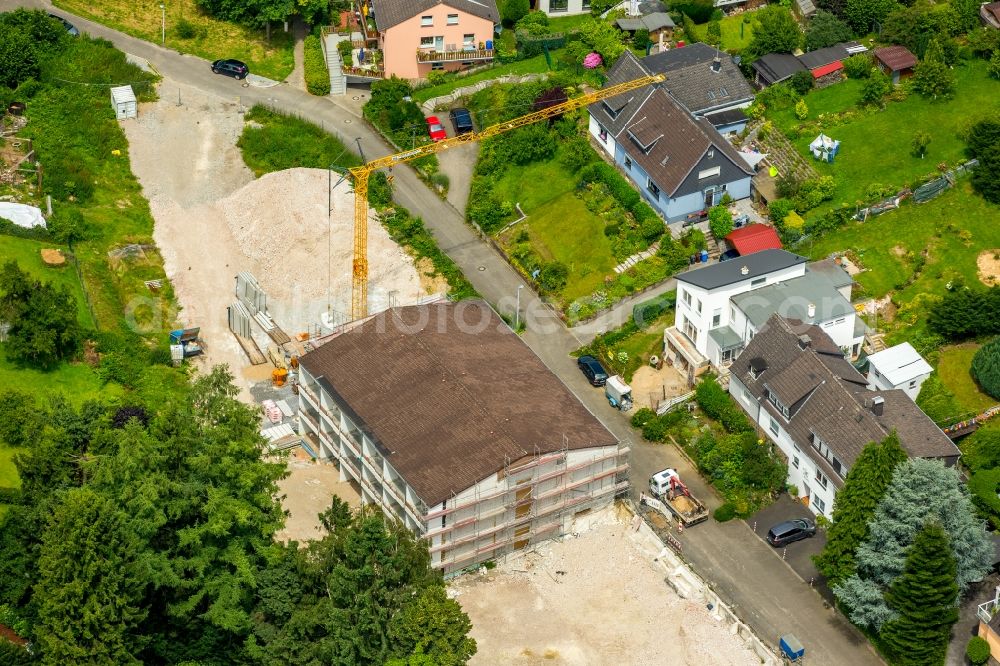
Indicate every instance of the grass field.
{"type": "Point", "coordinates": [27, 254]}
{"type": "Point", "coordinates": [8, 473]}
{"type": "Point", "coordinates": [953, 368]}
{"type": "Point", "coordinates": [535, 65]}
{"type": "Point", "coordinates": [285, 142]}
{"type": "Point", "coordinates": [214, 39]}
{"type": "Point", "coordinates": [731, 37]}
{"type": "Point", "coordinates": [876, 147]}
{"type": "Point", "coordinates": [888, 246]}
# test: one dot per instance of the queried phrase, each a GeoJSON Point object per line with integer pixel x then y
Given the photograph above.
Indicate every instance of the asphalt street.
{"type": "Point", "coordinates": [745, 572]}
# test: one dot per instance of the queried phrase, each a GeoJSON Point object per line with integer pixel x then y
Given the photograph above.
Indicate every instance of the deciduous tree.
{"type": "Point", "coordinates": [876, 87]}
{"type": "Point", "coordinates": [932, 78]}
{"type": "Point", "coordinates": [924, 601]}
{"type": "Point", "coordinates": [776, 32]}
{"type": "Point", "coordinates": [854, 506]}
{"type": "Point", "coordinates": [825, 29]}
{"type": "Point", "coordinates": [512, 11]}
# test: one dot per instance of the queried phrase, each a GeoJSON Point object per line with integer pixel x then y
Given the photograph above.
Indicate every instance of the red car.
{"type": "Point", "coordinates": [435, 129]}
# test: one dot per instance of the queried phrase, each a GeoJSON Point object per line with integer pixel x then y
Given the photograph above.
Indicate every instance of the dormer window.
{"type": "Point", "coordinates": [757, 367]}
{"type": "Point", "coordinates": [612, 113]}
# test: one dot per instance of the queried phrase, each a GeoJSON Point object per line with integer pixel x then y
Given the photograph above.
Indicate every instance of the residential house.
{"type": "Point", "coordinates": [659, 24]}
{"type": "Point", "coordinates": [679, 163]}
{"type": "Point", "coordinates": [478, 457]}
{"type": "Point", "coordinates": [707, 81]}
{"type": "Point", "coordinates": [775, 68]}
{"type": "Point", "coordinates": [796, 386]}
{"type": "Point", "coordinates": [989, 612]}
{"type": "Point", "coordinates": [420, 36]}
{"type": "Point", "coordinates": [899, 367]}
{"type": "Point", "coordinates": [826, 65]}
{"type": "Point", "coordinates": [989, 14]}
{"type": "Point", "coordinates": [753, 238]}
{"type": "Point", "coordinates": [720, 308]}
{"type": "Point", "coordinates": [895, 61]}
{"type": "Point", "coordinates": [562, 7]}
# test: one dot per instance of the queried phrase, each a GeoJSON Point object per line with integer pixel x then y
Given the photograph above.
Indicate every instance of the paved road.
{"type": "Point", "coordinates": [760, 587]}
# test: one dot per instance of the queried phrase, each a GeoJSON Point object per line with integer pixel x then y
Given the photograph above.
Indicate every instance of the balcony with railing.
{"type": "Point", "coordinates": [467, 54]}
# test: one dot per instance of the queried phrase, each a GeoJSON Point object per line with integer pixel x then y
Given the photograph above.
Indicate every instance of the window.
{"type": "Point", "coordinates": [728, 355]}
{"type": "Point", "coordinates": [913, 383]}
{"type": "Point", "coordinates": [716, 318]}
{"type": "Point", "coordinates": [838, 468]}
{"type": "Point", "coordinates": [821, 478]}
{"type": "Point", "coordinates": [795, 462]}
{"type": "Point", "coordinates": [612, 113]}
{"type": "Point", "coordinates": [778, 404]}
{"type": "Point", "coordinates": [586, 4]}
{"type": "Point", "coordinates": [841, 320]}
{"type": "Point", "coordinates": [774, 426]}
{"type": "Point", "coordinates": [469, 40]}
{"type": "Point", "coordinates": [653, 189]}
{"type": "Point", "coordinates": [602, 133]}
{"type": "Point", "coordinates": [819, 504]}
{"type": "Point", "coordinates": [686, 295]}
{"type": "Point", "coordinates": [757, 282]}
{"type": "Point", "coordinates": [697, 304]}
{"type": "Point", "coordinates": [558, 5]}
{"type": "Point", "coordinates": [426, 21]}
{"type": "Point", "coordinates": [732, 313]}
{"type": "Point", "coordinates": [691, 332]}
{"type": "Point", "coordinates": [708, 173]}
{"type": "Point", "coordinates": [426, 42]}
{"type": "Point", "coordinates": [747, 396]}
{"type": "Point", "coordinates": [437, 66]}
{"type": "Point", "coordinates": [628, 162]}
{"type": "Point", "coordinates": [452, 19]}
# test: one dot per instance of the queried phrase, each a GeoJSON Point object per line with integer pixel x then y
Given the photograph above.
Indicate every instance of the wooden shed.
{"type": "Point", "coordinates": [123, 102]}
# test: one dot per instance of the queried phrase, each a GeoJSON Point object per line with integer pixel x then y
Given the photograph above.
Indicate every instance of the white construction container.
{"type": "Point", "coordinates": [123, 102]}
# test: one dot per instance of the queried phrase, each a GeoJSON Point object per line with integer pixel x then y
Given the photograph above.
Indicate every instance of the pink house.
{"type": "Point", "coordinates": [419, 36]}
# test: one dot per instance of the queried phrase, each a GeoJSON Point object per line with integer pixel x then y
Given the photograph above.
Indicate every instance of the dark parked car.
{"type": "Point", "coordinates": [593, 370]}
{"type": "Point", "coordinates": [728, 254]}
{"type": "Point", "coordinates": [233, 68]}
{"type": "Point", "coordinates": [789, 531]}
{"type": "Point", "coordinates": [70, 28]}
{"type": "Point", "coordinates": [461, 119]}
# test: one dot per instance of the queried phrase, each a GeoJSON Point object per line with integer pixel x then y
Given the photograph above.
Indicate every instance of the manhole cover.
{"type": "Point", "coordinates": [246, 85]}
{"type": "Point", "coordinates": [356, 98]}
{"type": "Point", "coordinates": [482, 268]}
{"type": "Point", "coordinates": [348, 121]}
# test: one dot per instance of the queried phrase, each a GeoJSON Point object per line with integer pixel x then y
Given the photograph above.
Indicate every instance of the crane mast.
{"type": "Point", "coordinates": [360, 174]}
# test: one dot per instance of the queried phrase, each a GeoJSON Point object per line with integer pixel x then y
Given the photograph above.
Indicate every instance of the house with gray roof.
{"type": "Point", "coordinates": [794, 382]}
{"type": "Point", "coordinates": [721, 307]}
{"type": "Point", "coordinates": [679, 162]}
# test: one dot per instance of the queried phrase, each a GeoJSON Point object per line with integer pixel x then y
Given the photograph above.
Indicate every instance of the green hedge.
{"type": "Point", "coordinates": [647, 311]}
{"type": "Point", "coordinates": [715, 402]}
{"type": "Point", "coordinates": [983, 485]}
{"type": "Point", "coordinates": [316, 72]}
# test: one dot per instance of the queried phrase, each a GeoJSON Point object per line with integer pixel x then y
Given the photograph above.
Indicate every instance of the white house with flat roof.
{"type": "Point", "coordinates": [721, 307]}
{"type": "Point", "coordinates": [900, 367]}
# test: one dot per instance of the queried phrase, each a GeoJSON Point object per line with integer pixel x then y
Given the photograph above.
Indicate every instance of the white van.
{"type": "Point", "coordinates": [659, 483]}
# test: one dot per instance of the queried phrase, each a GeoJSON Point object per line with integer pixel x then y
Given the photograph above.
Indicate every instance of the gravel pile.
{"type": "Point", "coordinates": [594, 599]}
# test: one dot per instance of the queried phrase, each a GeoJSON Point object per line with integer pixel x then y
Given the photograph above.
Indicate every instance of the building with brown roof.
{"type": "Point", "coordinates": [795, 384]}
{"type": "Point", "coordinates": [449, 422]}
{"type": "Point", "coordinates": [990, 15]}
{"type": "Point", "coordinates": [896, 62]}
{"type": "Point", "coordinates": [678, 161]}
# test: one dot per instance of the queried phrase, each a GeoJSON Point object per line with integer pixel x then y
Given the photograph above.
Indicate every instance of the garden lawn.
{"type": "Point", "coordinates": [8, 472]}
{"type": "Point", "coordinates": [934, 226]}
{"type": "Point", "coordinates": [285, 142]}
{"type": "Point", "coordinates": [27, 254]}
{"type": "Point", "coordinates": [77, 381]}
{"type": "Point", "coordinates": [535, 65]}
{"type": "Point", "coordinates": [876, 147]}
{"type": "Point", "coordinates": [567, 23]}
{"type": "Point", "coordinates": [214, 39]}
{"type": "Point", "coordinates": [832, 99]}
{"type": "Point", "coordinates": [731, 37]}
{"type": "Point", "coordinates": [953, 368]}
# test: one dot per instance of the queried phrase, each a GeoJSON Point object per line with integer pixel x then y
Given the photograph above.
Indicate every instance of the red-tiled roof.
{"type": "Point", "coordinates": [896, 58]}
{"type": "Point", "coordinates": [826, 69]}
{"type": "Point", "coordinates": [754, 238]}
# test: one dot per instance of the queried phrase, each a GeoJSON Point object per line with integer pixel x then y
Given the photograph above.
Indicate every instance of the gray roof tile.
{"type": "Point", "coordinates": [389, 13]}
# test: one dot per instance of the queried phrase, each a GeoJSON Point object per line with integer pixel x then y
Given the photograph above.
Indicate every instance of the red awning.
{"type": "Point", "coordinates": [826, 69]}
{"type": "Point", "coordinates": [754, 238]}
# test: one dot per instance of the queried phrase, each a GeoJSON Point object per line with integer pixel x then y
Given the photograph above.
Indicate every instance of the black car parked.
{"type": "Point", "coordinates": [789, 531]}
{"type": "Point", "coordinates": [233, 68]}
{"type": "Point", "coordinates": [593, 370]}
{"type": "Point", "coordinates": [461, 119]}
{"type": "Point", "coordinates": [70, 28]}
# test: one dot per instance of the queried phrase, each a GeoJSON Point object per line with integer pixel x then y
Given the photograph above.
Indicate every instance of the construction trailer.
{"type": "Point", "coordinates": [476, 458]}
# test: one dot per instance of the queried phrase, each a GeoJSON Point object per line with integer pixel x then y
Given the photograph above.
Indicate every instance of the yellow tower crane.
{"type": "Point", "coordinates": [360, 174]}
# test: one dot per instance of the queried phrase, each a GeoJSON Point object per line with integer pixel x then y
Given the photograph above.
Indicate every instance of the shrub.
{"type": "Point", "coordinates": [642, 417]}
{"type": "Point", "coordinates": [576, 153]}
{"type": "Point", "coordinates": [801, 110]}
{"type": "Point", "coordinates": [875, 88]}
{"type": "Point", "coordinates": [346, 51]}
{"type": "Point", "coordinates": [316, 73]}
{"type": "Point", "coordinates": [720, 221]}
{"type": "Point", "coordinates": [725, 512]}
{"type": "Point", "coordinates": [986, 367]}
{"type": "Point", "coordinates": [977, 651]}
{"type": "Point", "coordinates": [802, 82]}
{"type": "Point", "coordinates": [553, 276]}
{"type": "Point", "coordinates": [655, 430]}
{"type": "Point", "coordinates": [185, 29]}
{"type": "Point", "coordinates": [858, 66]}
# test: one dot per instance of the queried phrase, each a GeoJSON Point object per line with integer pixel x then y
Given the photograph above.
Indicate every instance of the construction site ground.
{"type": "Point", "coordinates": [307, 491]}
{"type": "Point", "coordinates": [596, 598]}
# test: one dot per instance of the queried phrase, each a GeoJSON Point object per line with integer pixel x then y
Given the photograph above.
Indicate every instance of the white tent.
{"type": "Point", "coordinates": [824, 148]}
{"type": "Point", "coordinates": [22, 215]}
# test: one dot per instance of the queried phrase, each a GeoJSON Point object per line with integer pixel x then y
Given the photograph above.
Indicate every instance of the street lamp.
{"type": "Point", "coordinates": [517, 309]}
{"type": "Point", "coordinates": [163, 24]}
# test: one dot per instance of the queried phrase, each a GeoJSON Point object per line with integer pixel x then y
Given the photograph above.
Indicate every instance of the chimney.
{"type": "Point", "coordinates": [745, 270]}
{"type": "Point", "coordinates": [812, 310]}
{"type": "Point", "coordinates": [878, 405]}
{"type": "Point", "coordinates": [717, 64]}
{"type": "Point", "coordinates": [804, 341]}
